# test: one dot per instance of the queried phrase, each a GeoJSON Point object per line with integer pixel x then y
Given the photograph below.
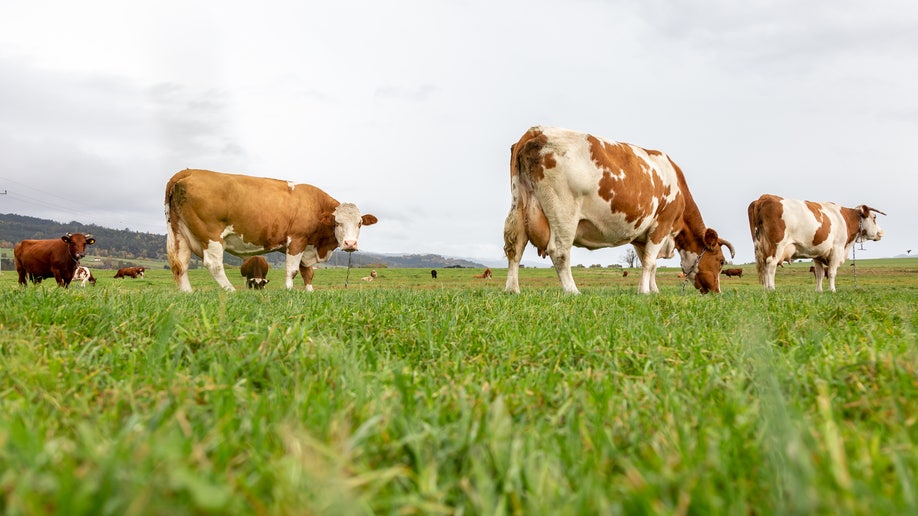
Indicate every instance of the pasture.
{"type": "Point", "coordinates": [412, 395]}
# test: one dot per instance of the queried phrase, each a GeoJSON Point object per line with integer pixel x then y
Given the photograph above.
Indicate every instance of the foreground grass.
{"type": "Point", "coordinates": [132, 398]}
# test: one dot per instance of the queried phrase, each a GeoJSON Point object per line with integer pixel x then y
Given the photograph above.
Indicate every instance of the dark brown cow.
{"type": "Point", "coordinates": [57, 258]}
{"type": "Point", "coordinates": [733, 272]}
{"type": "Point", "coordinates": [255, 270]}
{"type": "Point", "coordinates": [208, 213]}
{"type": "Point", "coordinates": [574, 189]}
{"type": "Point", "coordinates": [130, 272]}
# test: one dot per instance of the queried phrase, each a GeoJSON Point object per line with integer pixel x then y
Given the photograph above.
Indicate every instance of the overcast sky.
{"type": "Point", "coordinates": [408, 108]}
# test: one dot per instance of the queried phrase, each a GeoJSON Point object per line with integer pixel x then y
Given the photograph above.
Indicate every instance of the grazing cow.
{"type": "Point", "coordinates": [57, 258]}
{"type": "Point", "coordinates": [484, 275]}
{"type": "Point", "coordinates": [83, 274]}
{"type": "Point", "coordinates": [208, 213]}
{"type": "Point", "coordinates": [371, 277]}
{"type": "Point", "coordinates": [130, 272]}
{"type": "Point", "coordinates": [825, 271]}
{"type": "Point", "coordinates": [255, 271]}
{"type": "Point", "coordinates": [433, 273]}
{"type": "Point", "coordinates": [571, 188]}
{"type": "Point", "coordinates": [786, 229]}
{"type": "Point", "coordinates": [733, 272]}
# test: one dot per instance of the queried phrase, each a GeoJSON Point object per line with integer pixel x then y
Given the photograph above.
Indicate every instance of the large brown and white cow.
{"type": "Point", "coordinates": [130, 272]}
{"type": "Point", "coordinates": [210, 212]}
{"type": "Point", "coordinates": [787, 229]}
{"type": "Point", "coordinates": [571, 188]}
{"type": "Point", "coordinates": [57, 258]}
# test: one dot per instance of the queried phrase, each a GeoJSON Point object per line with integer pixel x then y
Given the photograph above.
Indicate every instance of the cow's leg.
{"type": "Point", "coordinates": [819, 272]}
{"type": "Point", "coordinates": [515, 241]}
{"type": "Point", "coordinates": [831, 272]}
{"type": "Point", "coordinates": [292, 265]}
{"type": "Point", "coordinates": [648, 254]}
{"type": "Point", "coordinates": [559, 250]}
{"type": "Point", "coordinates": [213, 260]}
{"type": "Point", "coordinates": [307, 272]}
{"type": "Point", "coordinates": [179, 251]}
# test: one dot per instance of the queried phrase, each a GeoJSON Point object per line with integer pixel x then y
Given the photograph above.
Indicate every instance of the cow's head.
{"type": "Point", "coordinates": [348, 221]}
{"type": "Point", "coordinates": [258, 283]}
{"type": "Point", "coordinates": [869, 229]}
{"type": "Point", "coordinates": [76, 244]}
{"type": "Point", "coordinates": [703, 266]}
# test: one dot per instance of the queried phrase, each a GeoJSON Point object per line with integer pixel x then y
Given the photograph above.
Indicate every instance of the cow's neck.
{"type": "Point", "coordinates": [691, 238]}
{"type": "Point", "coordinates": [853, 222]}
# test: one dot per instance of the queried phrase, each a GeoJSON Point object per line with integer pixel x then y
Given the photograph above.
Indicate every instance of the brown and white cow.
{"type": "Point", "coordinates": [484, 275]}
{"type": "Point", "coordinates": [787, 229]}
{"type": "Point", "coordinates": [255, 271]}
{"type": "Point", "coordinates": [208, 213]}
{"type": "Point", "coordinates": [570, 188]}
{"type": "Point", "coordinates": [732, 272]}
{"type": "Point", "coordinates": [371, 277]}
{"type": "Point", "coordinates": [57, 258]}
{"type": "Point", "coordinates": [130, 272]}
{"type": "Point", "coordinates": [83, 274]}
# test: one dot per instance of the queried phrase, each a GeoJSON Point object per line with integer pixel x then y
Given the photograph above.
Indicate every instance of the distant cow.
{"type": "Point", "coordinates": [57, 258]}
{"type": "Point", "coordinates": [484, 275]}
{"type": "Point", "coordinates": [130, 272]}
{"type": "Point", "coordinates": [733, 272]}
{"type": "Point", "coordinates": [83, 274]}
{"type": "Point", "coordinates": [255, 270]}
{"type": "Point", "coordinates": [624, 274]}
{"type": "Point", "coordinates": [787, 229]}
{"type": "Point", "coordinates": [433, 273]}
{"type": "Point", "coordinates": [574, 189]}
{"type": "Point", "coordinates": [208, 213]}
{"type": "Point", "coordinates": [825, 271]}
{"type": "Point", "coordinates": [371, 277]}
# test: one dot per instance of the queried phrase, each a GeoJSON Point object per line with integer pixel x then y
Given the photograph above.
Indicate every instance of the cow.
{"type": "Point", "coordinates": [825, 271]}
{"type": "Point", "coordinates": [371, 277]}
{"type": "Point", "coordinates": [733, 272]}
{"type": "Point", "coordinates": [57, 258]}
{"type": "Point", "coordinates": [255, 271]}
{"type": "Point", "coordinates": [484, 275]}
{"type": "Point", "coordinates": [83, 274]}
{"type": "Point", "coordinates": [624, 274]}
{"type": "Point", "coordinates": [130, 272]}
{"type": "Point", "coordinates": [433, 273]}
{"type": "Point", "coordinates": [575, 189]}
{"type": "Point", "coordinates": [208, 213]}
{"type": "Point", "coordinates": [787, 229]}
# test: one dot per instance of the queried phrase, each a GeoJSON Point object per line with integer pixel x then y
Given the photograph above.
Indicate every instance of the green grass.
{"type": "Point", "coordinates": [412, 395]}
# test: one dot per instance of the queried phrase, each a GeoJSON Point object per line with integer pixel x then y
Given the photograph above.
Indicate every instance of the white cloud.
{"type": "Point", "coordinates": [409, 109]}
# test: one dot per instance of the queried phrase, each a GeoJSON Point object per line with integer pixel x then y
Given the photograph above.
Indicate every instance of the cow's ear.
{"type": "Point", "coordinates": [327, 220]}
{"type": "Point", "coordinates": [66, 238]}
{"type": "Point", "coordinates": [90, 241]}
{"type": "Point", "coordinates": [711, 240]}
{"type": "Point", "coordinates": [368, 220]}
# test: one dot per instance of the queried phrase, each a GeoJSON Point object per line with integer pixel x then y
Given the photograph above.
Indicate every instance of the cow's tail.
{"type": "Point", "coordinates": [758, 237]}
{"type": "Point", "coordinates": [522, 201]}
{"type": "Point", "coordinates": [176, 245]}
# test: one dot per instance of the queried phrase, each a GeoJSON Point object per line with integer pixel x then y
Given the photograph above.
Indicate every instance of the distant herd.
{"type": "Point", "coordinates": [567, 189]}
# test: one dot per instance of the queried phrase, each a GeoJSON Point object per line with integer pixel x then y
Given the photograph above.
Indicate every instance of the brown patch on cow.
{"type": "Point", "coordinates": [633, 193]}
{"type": "Point", "coordinates": [531, 159]}
{"type": "Point", "coordinates": [824, 225]}
{"type": "Point", "coordinates": [766, 223]}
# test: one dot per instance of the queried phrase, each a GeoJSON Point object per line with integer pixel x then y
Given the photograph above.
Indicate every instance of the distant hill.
{"type": "Point", "coordinates": [124, 244]}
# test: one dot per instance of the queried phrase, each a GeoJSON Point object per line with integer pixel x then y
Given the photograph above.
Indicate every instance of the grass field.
{"type": "Point", "coordinates": [417, 396]}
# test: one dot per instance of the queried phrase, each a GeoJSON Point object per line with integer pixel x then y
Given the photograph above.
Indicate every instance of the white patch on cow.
{"type": "Point", "coordinates": [291, 185]}
{"type": "Point", "coordinates": [347, 226]}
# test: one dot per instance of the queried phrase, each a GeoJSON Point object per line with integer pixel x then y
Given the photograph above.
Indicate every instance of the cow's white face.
{"type": "Point", "coordinates": [348, 222]}
{"type": "Point", "coordinates": [870, 230]}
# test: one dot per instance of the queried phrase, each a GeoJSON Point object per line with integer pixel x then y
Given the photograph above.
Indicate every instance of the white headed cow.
{"type": "Point", "coordinates": [787, 229]}
{"type": "Point", "coordinates": [209, 212]}
{"type": "Point", "coordinates": [570, 188]}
